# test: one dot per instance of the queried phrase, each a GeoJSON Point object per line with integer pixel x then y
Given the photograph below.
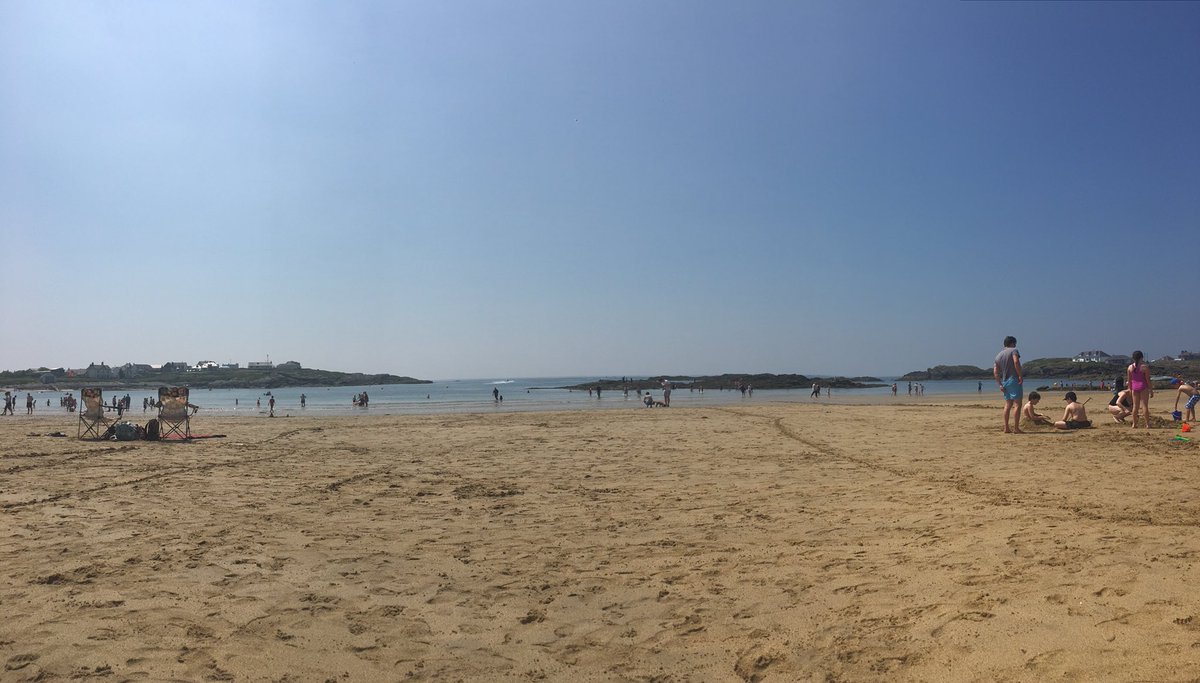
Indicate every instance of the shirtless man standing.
{"type": "Point", "coordinates": [1075, 416]}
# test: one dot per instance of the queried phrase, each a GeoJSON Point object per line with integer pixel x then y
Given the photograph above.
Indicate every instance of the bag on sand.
{"type": "Point", "coordinates": [152, 430]}
{"type": "Point", "coordinates": [127, 431]}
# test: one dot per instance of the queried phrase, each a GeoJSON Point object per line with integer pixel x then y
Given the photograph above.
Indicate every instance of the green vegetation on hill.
{"type": "Point", "coordinates": [1066, 368]}
{"type": "Point", "coordinates": [215, 378]}
{"type": "Point", "coordinates": [1057, 368]}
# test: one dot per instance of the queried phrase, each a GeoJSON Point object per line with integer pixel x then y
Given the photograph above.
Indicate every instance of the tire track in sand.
{"type": "Point", "coordinates": [965, 484]}
{"type": "Point", "coordinates": [161, 474]}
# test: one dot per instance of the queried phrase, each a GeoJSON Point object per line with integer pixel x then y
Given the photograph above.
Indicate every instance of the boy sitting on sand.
{"type": "Point", "coordinates": [1030, 410]}
{"type": "Point", "coordinates": [1075, 416]}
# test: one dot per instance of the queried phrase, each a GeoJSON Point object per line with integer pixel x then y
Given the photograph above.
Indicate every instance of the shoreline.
{"type": "Point", "coordinates": [583, 404]}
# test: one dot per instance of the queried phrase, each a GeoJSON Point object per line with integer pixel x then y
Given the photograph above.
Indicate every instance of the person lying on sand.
{"type": "Point", "coordinates": [1030, 413]}
{"type": "Point", "coordinates": [1075, 416]}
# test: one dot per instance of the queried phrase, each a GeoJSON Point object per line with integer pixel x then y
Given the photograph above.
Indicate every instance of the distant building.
{"type": "Point", "coordinates": [1188, 355]}
{"type": "Point", "coordinates": [207, 365]}
{"type": "Point", "coordinates": [231, 366]}
{"type": "Point", "coordinates": [260, 365]}
{"type": "Point", "coordinates": [100, 371]}
{"type": "Point", "coordinates": [133, 370]}
{"type": "Point", "coordinates": [1091, 357]}
{"type": "Point", "coordinates": [175, 366]}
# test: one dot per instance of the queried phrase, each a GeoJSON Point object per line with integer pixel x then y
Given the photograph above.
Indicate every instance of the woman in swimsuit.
{"type": "Point", "coordinates": [1138, 376]}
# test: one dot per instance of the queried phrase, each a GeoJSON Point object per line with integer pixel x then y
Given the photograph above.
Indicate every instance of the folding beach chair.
{"type": "Point", "coordinates": [92, 420]}
{"type": "Point", "coordinates": [173, 413]}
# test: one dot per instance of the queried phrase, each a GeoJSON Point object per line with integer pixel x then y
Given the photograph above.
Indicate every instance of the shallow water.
{"type": "Point", "coordinates": [520, 394]}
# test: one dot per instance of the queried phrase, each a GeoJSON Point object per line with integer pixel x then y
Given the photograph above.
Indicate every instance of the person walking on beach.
{"type": "Point", "coordinates": [29, 404]}
{"type": "Point", "coordinates": [1137, 376]}
{"type": "Point", "coordinates": [496, 394]}
{"type": "Point", "coordinates": [666, 387]}
{"type": "Point", "coordinates": [271, 406]}
{"type": "Point", "coordinates": [1007, 371]}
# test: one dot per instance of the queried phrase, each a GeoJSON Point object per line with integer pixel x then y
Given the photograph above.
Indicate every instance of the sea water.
{"type": "Point", "coordinates": [475, 395]}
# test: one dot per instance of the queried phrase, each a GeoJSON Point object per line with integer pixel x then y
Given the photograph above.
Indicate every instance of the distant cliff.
{"type": "Point", "coordinates": [947, 372]}
{"type": "Point", "coordinates": [726, 381]}
{"type": "Point", "coordinates": [214, 378]}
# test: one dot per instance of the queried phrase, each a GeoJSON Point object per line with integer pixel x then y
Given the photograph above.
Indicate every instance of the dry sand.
{"type": "Point", "coordinates": [763, 541]}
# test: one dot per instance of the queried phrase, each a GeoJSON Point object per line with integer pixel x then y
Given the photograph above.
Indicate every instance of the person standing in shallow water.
{"type": "Point", "coordinates": [1007, 371]}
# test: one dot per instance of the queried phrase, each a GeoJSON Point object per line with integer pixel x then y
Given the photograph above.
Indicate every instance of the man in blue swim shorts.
{"type": "Point", "coordinates": [1007, 371]}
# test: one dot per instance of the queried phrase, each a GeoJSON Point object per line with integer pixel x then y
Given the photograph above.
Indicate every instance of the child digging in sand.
{"type": "Point", "coordinates": [1193, 395]}
{"type": "Point", "coordinates": [1121, 405]}
{"type": "Point", "coordinates": [1030, 410]}
{"type": "Point", "coordinates": [1075, 416]}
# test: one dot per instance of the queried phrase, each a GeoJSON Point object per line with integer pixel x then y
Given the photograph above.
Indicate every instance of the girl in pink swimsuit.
{"type": "Point", "coordinates": [1138, 376]}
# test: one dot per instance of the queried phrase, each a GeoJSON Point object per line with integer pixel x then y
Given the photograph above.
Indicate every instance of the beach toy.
{"type": "Point", "coordinates": [1182, 438]}
{"type": "Point", "coordinates": [1186, 427]}
{"type": "Point", "coordinates": [1177, 416]}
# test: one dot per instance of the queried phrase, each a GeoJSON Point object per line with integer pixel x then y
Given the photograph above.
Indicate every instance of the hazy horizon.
{"type": "Point", "coordinates": [813, 374]}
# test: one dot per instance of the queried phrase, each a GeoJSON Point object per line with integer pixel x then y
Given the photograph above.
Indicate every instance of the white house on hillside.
{"type": "Point", "coordinates": [1091, 357]}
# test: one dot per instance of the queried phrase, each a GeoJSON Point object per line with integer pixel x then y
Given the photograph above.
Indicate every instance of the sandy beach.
{"type": "Point", "coordinates": [905, 540]}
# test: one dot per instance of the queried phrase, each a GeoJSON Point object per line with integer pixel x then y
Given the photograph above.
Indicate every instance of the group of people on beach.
{"type": "Point", "coordinates": [1131, 395]}
{"type": "Point", "coordinates": [10, 403]}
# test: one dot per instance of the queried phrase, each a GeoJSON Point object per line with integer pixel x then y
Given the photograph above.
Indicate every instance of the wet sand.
{"type": "Point", "coordinates": [905, 540]}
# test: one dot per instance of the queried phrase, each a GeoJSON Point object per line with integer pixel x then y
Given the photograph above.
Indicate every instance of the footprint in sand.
{"type": "Point", "coordinates": [18, 662]}
{"type": "Point", "coordinates": [753, 663]}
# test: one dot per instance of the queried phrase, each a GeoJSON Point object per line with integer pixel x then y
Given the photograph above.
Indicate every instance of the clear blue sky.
{"type": "Point", "coordinates": [494, 189]}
